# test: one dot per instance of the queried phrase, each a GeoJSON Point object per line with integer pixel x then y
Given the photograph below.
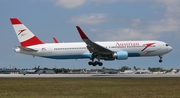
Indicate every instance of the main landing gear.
{"type": "Point", "coordinates": [95, 63]}
{"type": "Point", "coordinates": [160, 61]}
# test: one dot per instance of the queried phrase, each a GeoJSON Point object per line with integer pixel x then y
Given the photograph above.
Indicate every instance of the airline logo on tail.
{"type": "Point", "coordinates": [21, 31]}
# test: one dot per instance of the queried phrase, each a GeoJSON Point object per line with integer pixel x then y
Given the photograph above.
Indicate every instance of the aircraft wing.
{"type": "Point", "coordinates": [92, 46]}
{"type": "Point", "coordinates": [27, 49]}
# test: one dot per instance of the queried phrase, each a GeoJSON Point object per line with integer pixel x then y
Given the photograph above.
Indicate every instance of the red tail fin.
{"type": "Point", "coordinates": [25, 36]}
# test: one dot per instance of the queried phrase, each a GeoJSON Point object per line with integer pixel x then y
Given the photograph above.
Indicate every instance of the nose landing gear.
{"type": "Point", "coordinates": [160, 61]}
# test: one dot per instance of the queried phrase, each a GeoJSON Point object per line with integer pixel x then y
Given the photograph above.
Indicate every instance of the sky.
{"type": "Point", "coordinates": [101, 20]}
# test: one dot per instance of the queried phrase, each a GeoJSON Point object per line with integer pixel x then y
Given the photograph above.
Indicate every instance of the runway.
{"type": "Point", "coordinates": [87, 75]}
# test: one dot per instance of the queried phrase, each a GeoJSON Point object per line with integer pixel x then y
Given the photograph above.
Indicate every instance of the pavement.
{"type": "Point", "coordinates": [87, 75]}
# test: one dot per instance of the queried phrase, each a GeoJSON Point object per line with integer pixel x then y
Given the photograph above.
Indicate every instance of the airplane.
{"type": "Point", "coordinates": [139, 71]}
{"type": "Point", "coordinates": [135, 68]}
{"type": "Point", "coordinates": [31, 71]}
{"type": "Point", "coordinates": [30, 44]}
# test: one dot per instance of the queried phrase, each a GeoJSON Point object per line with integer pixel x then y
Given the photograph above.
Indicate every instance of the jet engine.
{"type": "Point", "coordinates": [121, 55]}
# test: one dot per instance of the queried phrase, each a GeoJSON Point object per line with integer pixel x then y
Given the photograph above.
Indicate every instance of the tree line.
{"type": "Point", "coordinates": [66, 70]}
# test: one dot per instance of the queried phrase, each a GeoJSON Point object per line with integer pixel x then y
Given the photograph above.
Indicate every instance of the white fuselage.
{"type": "Point", "coordinates": [78, 50]}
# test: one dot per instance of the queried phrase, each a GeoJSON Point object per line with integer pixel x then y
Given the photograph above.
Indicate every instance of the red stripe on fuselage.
{"type": "Point", "coordinates": [15, 21]}
{"type": "Point", "coordinates": [32, 41]}
{"type": "Point", "coordinates": [148, 45]}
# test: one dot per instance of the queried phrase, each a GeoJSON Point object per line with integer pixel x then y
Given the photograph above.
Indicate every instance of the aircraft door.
{"type": "Point", "coordinates": [50, 49]}
{"type": "Point", "coordinates": [159, 46]}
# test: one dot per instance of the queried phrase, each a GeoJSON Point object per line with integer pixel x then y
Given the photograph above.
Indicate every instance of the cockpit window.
{"type": "Point", "coordinates": [167, 45]}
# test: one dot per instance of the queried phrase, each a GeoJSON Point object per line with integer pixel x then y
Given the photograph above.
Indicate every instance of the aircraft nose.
{"type": "Point", "coordinates": [170, 48]}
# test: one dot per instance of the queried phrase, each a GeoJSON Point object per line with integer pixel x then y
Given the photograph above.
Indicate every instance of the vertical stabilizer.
{"type": "Point", "coordinates": [36, 70]}
{"type": "Point", "coordinates": [135, 68]}
{"type": "Point", "coordinates": [25, 36]}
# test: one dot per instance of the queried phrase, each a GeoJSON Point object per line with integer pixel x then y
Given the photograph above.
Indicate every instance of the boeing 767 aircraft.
{"type": "Point", "coordinates": [95, 51]}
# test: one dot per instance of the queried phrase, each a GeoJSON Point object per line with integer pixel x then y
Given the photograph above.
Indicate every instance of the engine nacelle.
{"type": "Point", "coordinates": [121, 55]}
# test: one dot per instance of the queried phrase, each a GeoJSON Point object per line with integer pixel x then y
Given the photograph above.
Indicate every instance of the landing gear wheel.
{"type": "Point", "coordinates": [160, 61]}
{"type": "Point", "coordinates": [90, 63]}
{"type": "Point", "coordinates": [100, 64]}
{"type": "Point", "coordinates": [94, 64]}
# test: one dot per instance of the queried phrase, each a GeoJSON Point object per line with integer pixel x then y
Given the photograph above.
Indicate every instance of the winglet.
{"type": "Point", "coordinates": [55, 40]}
{"type": "Point", "coordinates": [81, 33]}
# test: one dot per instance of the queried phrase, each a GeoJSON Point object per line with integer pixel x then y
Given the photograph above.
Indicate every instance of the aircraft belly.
{"type": "Point", "coordinates": [134, 55]}
{"type": "Point", "coordinates": [80, 56]}
{"type": "Point", "coordinates": [67, 54]}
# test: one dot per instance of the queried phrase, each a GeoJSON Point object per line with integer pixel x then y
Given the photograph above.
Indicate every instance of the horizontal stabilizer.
{"type": "Point", "coordinates": [27, 49]}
